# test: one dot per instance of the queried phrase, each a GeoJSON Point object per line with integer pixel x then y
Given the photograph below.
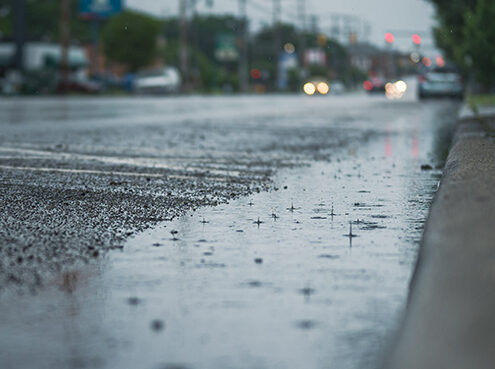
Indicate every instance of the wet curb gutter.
{"type": "Point", "coordinates": [450, 317]}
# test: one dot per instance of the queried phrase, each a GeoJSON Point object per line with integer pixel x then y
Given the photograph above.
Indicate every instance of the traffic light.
{"type": "Point", "coordinates": [416, 39]}
{"type": "Point", "coordinates": [321, 39]}
{"type": "Point", "coordinates": [389, 38]}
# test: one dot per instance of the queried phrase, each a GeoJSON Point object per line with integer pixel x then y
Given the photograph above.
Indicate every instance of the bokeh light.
{"type": "Point", "coordinates": [289, 48]}
{"type": "Point", "coordinates": [416, 39]}
{"type": "Point", "coordinates": [323, 88]}
{"type": "Point", "coordinates": [255, 73]}
{"type": "Point", "coordinates": [439, 60]}
{"type": "Point", "coordinates": [415, 57]}
{"type": "Point", "coordinates": [309, 88]}
{"type": "Point", "coordinates": [395, 91]}
{"type": "Point", "coordinates": [401, 86]}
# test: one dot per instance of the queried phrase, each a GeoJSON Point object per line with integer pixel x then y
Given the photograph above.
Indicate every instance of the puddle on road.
{"type": "Point", "coordinates": [275, 281]}
{"type": "Point", "coordinates": [269, 281]}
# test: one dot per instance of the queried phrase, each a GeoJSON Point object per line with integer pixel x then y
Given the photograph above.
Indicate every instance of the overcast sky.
{"type": "Point", "coordinates": [382, 15]}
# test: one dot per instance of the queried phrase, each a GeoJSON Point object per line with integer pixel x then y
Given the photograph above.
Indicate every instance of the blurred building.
{"type": "Point", "coordinates": [40, 55]}
{"type": "Point", "coordinates": [363, 55]}
{"type": "Point", "coordinates": [384, 63]}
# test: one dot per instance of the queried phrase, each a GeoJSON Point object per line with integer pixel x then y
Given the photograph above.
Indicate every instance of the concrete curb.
{"type": "Point", "coordinates": [450, 317]}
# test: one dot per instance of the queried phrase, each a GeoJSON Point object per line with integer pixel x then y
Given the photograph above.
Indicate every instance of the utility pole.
{"type": "Point", "coordinates": [347, 28]}
{"type": "Point", "coordinates": [277, 10]}
{"type": "Point", "coordinates": [19, 33]}
{"type": "Point", "coordinates": [243, 62]}
{"type": "Point", "coordinates": [65, 41]}
{"type": "Point", "coordinates": [301, 5]}
{"type": "Point", "coordinates": [335, 28]}
{"type": "Point", "coordinates": [314, 24]}
{"type": "Point", "coordinates": [183, 51]}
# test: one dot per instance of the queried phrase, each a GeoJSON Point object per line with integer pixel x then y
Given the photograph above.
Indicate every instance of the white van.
{"type": "Point", "coordinates": [162, 81]}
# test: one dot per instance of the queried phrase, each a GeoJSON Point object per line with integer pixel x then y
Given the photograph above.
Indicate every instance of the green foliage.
{"type": "Point", "coordinates": [482, 100]}
{"type": "Point", "coordinates": [208, 73]}
{"type": "Point", "coordinates": [204, 31]}
{"type": "Point", "coordinates": [6, 25]}
{"type": "Point", "coordinates": [43, 21]}
{"type": "Point", "coordinates": [466, 32]}
{"type": "Point", "coordinates": [262, 47]}
{"type": "Point", "coordinates": [170, 52]}
{"type": "Point", "coordinates": [450, 22]}
{"type": "Point", "coordinates": [479, 41]}
{"type": "Point", "coordinates": [131, 38]}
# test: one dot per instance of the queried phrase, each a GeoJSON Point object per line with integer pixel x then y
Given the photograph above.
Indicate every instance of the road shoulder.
{"type": "Point", "coordinates": [450, 321]}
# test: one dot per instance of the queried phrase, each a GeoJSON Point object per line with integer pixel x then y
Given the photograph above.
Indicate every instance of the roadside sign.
{"type": "Point", "coordinates": [99, 9]}
{"type": "Point", "coordinates": [315, 56]}
{"type": "Point", "coordinates": [286, 61]}
{"type": "Point", "coordinates": [225, 47]}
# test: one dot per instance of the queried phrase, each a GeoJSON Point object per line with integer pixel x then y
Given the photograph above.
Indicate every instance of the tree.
{"type": "Point", "coordinates": [448, 32]}
{"type": "Point", "coordinates": [479, 41]}
{"type": "Point", "coordinates": [43, 21]}
{"type": "Point", "coordinates": [131, 38]}
{"type": "Point", "coordinates": [465, 32]}
{"type": "Point", "coordinates": [207, 72]}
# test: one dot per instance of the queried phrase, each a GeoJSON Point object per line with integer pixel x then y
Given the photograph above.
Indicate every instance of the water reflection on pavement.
{"type": "Point", "coordinates": [269, 281]}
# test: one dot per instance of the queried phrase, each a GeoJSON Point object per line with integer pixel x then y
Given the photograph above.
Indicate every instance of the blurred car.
{"type": "Point", "coordinates": [161, 81]}
{"type": "Point", "coordinates": [316, 86]}
{"type": "Point", "coordinates": [441, 82]}
{"type": "Point", "coordinates": [374, 85]}
{"type": "Point", "coordinates": [80, 85]}
{"type": "Point", "coordinates": [337, 88]}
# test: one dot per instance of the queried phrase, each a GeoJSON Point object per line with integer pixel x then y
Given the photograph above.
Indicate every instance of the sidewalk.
{"type": "Point", "coordinates": [450, 317]}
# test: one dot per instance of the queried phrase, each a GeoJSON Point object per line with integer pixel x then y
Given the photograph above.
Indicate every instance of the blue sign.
{"type": "Point", "coordinates": [100, 8]}
{"type": "Point", "coordinates": [286, 61]}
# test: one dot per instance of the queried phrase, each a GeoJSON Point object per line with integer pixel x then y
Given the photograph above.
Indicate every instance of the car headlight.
{"type": "Point", "coordinates": [309, 88]}
{"type": "Point", "coordinates": [323, 88]}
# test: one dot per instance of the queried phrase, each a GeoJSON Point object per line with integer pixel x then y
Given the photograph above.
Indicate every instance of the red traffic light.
{"type": "Point", "coordinates": [389, 38]}
{"type": "Point", "coordinates": [416, 39]}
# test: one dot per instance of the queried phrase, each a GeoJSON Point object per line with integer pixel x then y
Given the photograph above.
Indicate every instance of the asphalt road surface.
{"type": "Point", "coordinates": [211, 232]}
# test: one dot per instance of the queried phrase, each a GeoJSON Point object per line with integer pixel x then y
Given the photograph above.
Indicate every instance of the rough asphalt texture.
{"type": "Point", "coordinates": [450, 317]}
{"type": "Point", "coordinates": [77, 178]}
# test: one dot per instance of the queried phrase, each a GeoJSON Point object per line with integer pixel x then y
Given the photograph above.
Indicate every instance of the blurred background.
{"type": "Point", "coordinates": [255, 46]}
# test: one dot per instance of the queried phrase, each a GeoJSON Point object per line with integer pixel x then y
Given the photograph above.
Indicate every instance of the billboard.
{"type": "Point", "coordinates": [99, 9]}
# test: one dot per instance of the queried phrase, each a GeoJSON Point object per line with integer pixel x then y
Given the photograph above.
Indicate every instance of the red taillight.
{"type": "Point", "coordinates": [368, 86]}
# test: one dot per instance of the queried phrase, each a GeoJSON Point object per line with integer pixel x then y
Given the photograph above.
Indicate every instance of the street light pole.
{"type": "Point", "coordinates": [19, 33]}
{"type": "Point", "coordinates": [277, 10]}
{"type": "Point", "coordinates": [65, 41]}
{"type": "Point", "coordinates": [302, 41]}
{"type": "Point", "coordinates": [183, 52]}
{"type": "Point", "coordinates": [243, 62]}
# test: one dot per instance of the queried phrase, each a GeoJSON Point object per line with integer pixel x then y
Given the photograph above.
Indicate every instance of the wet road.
{"type": "Point", "coordinates": [267, 280]}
